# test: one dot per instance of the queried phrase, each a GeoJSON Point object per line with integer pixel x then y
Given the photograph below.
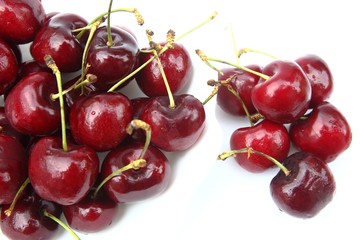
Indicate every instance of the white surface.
{"type": "Point", "coordinates": [209, 199]}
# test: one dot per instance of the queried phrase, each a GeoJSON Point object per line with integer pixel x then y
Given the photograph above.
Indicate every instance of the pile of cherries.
{"type": "Point", "coordinates": [53, 130]}
{"type": "Point", "coordinates": [292, 125]}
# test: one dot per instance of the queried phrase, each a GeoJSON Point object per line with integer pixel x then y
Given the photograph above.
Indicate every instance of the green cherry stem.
{"type": "Point", "coordinates": [139, 124]}
{"type": "Point", "coordinates": [110, 39]}
{"type": "Point", "coordinates": [61, 223]}
{"type": "Point", "coordinates": [249, 151]}
{"type": "Point", "coordinates": [52, 65]}
{"type": "Point", "coordinates": [247, 50]}
{"type": "Point", "coordinates": [16, 198]}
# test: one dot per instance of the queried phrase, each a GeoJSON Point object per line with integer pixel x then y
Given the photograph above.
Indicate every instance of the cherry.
{"type": "Point", "coordinates": [91, 214]}
{"type": "Point", "coordinates": [174, 128]}
{"type": "Point", "coordinates": [56, 39]}
{"type": "Point", "coordinates": [242, 82]}
{"type": "Point", "coordinates": [284, 97]}
{"type": "Point", "coordinates": [28, 221]}
{"type": "Point", "coordinates": [29, 107]}
{"type": "Point", "coordinates": [13, 167]}
{"type": "Point", "coordinates": [308, 188]}
{"type": "Point", "coordinates": [20, 20]}
{"type": "Point", "coordinates": [177, 66]}
{"type": "Point", "coordinates": [8, 67]}
{"type": "Point", "coordinates": [100, 121]}
{"type": "Point", "coordinates": [267, 137]}
{"type": "Point", "coordinates": [112, 63]}
{"type": "Point", "coordinates": [324, 132]}
{"type": "Point", "coordinates": [29, 67]}
{"type": "Point", "coordinates": [7, 129]}
{"type": "Point", "coordinates": [64, 177]}
{"type": "Point", "coordinates": [135, 184]}
{"type": "Point", "coordinates": [320, 77]}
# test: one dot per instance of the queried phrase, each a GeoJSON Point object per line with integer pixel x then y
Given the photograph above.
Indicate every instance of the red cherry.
{"type": "Point", "coordinates": [64, 177]}
{"type": "Point", "coordinates": [100, 121]}
{"type": "Point", "coordinates": [320, 77]}
{"type": "Point", "coordinates": [56, 39]}
{"type": "Point", "coordinates": [178, 128]}
{"type": "Point", "coordinates": [325, 132]}
{"type": "Point", "coordinates": [29, 107]}
{"type": "Point", "coordinates": [267, 137]}
{"type": "Point", "coordinates": [243, 83]}
{"type": "Point", "coordinates": [177, 66]}
{"type": "Point", "coordinates": [20, 20]}
{"type": "Point", "coordinates": [27, 221]}
{"type": "Point", "coordinates": [140, 184]}
{"type": "Point", "coordinates": [8, 67]}
{"type": "Point", "coordinates": [13, 167]}
{"type": "Point", "coordinates": [285, 96]}
{"type": "Point", "coordinates": [112, 63]}
{"type": "Point", "coordinates": [308, 188]}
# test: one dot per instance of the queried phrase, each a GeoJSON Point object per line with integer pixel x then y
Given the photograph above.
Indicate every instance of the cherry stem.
{"type": "Point", "coordinates": [52, 65]}
{"type": "Point", "coordinates": [256, 117]}
{"type": "Point", "coordinates": [139, 124]}
{"type": "Point", "coordinates": [207, 60]}
{"type": "Point", "coordinates": [136, 164]}
{"type": "Point", "coordinates": [110, 39]}
{"type": "Point", "coordinates": [61, 223]}
{"type": "Point", "coordinates": [9, 211]}
{"type": "Point", "coordinates": [165, 48]}
{"type": "Point", "coordinates": [234, 44]}
{"type": "Point", "coordinates": [247, 50]}
{"type": "Point", "coordinates": [249, 151]}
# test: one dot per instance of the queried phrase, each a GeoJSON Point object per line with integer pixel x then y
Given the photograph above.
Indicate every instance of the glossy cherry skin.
{"type": "Point", "coordinates": [243, 83]}
{"type": "Point", "coordinates": [285, 96]}
{"type": "Point", "coordinates": [325, 132]}
{"type": "Point", "coordinates": [178, 69]}
{"type": "Point", "coordinates": [266, 137]}
{"type": "Point", "coordinates": [320, 77]}
{"type": "Point", "coordinates": [29, 107]}
{"type": "Point", "coordinates": [178, 128]}
{"type": "Point", "coordinates": [56, 39]}
{"type": "Point", "coordinates": [91, 214]}
{"type": "Point", "coordinates": [13, 167]}
{"type": "Point", "coordinates": [8, 68]}
{"type": "Point", "coordinates": [111, 64]}
{"type": "Point", "coordinates": [308, 188]}
{"type": "Point", "coordinates": [7, 129]}
{"type": "Point", "coordinates": [140, 184]}
{"type": "Point", "coordinates": [64, 177]}
{"type": "Point", "coordinates": [20, 20]}
{"type": "Point", "coordinates": [100, 121]}
{"type": "Point", "coordinates": [27, 221]}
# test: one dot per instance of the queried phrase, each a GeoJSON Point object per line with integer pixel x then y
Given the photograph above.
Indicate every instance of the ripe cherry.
{"type": "Point", "coordinates": [285, 96]}
{"type": "Point", "coordinates": [7, 129]}
{"type": "Point", "coordinates": [320, 77]}
{"type": "Point", "coordinates": [325, 132]}
{"type": "Point", "coordinates": [308, 188]}
{"type": "Point", "coordinates": [8, 67]}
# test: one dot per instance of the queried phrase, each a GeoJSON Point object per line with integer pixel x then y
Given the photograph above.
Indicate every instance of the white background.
{"type": "Point", "coordinates": [209, 199]}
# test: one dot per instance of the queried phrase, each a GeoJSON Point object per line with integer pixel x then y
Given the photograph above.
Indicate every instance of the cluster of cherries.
{"type": "Point", "coordinates": [53, 130]}
{"type": "Point", "coordinates": [292, 125]}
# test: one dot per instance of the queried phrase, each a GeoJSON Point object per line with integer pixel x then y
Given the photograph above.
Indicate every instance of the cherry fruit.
{"type": "Point", "coordinates": [308, 188]}
{"type": "Point", "coordinates": [8, 67]}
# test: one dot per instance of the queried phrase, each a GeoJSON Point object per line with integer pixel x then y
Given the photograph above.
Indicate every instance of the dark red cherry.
{"type": "Point", "coordinates": [29, 107]}
{"type": "Point", "coordinates": [7, 129]}
{"type": "Point", "coordinates": [8, 68]}
{"type": "Point", "coordinates": [27, 221]}
{"type": "Point", "coordinates": [31, 66]}
{"type": "Point", "coordinates": [91, 214]}
{"type": "Point", "coordinates": [100, 121]}
{"type": "Point", "coordinates": [243, 83]}
{"type": "Point", "coordinates": [20, 20]}
{"type": "Point", "coordinates": [319, 74]}
{"type": "Point", "coordinates": [177, 66]}
{"type": "Point", "coordinates": [13, 167]}
{"type": "Point", "coordinates": [178, 128]}
{"type": "Point", "coordinates": [266, 137]}
{"type": "Point", "coordinates": [64, 177]}
{"type": "Point", "coordinates": [308, 188]}
{"type": "Point", "coordinates": [56, 39]}
{"type": "Point", "coordinates": [325, 132]}
{"type": "Point", "coordinates": [112, 63]}
{"type": "Point", "coordinates": [285, 96]}
{"type": "Point", "coordinates": [140, 184]}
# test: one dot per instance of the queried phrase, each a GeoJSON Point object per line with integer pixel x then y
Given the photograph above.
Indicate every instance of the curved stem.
{"type": "Point", "coordinates": [139, 124]}
{"type": "Point", "coordinates": [249, 151]}
{"type": "Point", "coordinates": [247, 50]}
{"type": "Point", "coordinates": [61, 223]}
{"type": "Point", "coordinates": [16, 198]}
{"type": "Point", "coordinates": [110, 41]}
{"type": "Point", "coordinates": [52, 65]}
